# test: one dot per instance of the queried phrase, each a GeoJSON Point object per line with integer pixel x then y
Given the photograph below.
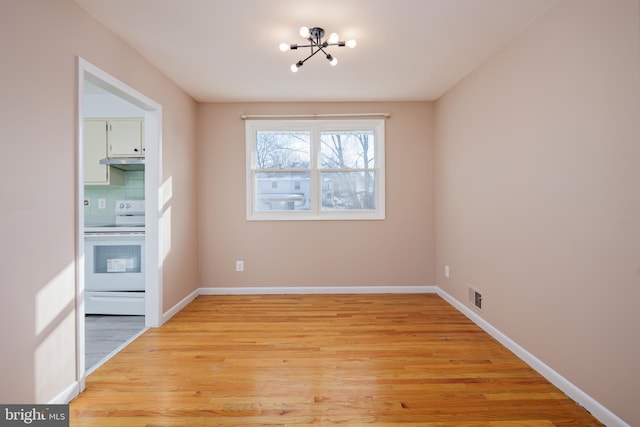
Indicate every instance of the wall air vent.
{"type": "Point", "coordinates": [475, 298]}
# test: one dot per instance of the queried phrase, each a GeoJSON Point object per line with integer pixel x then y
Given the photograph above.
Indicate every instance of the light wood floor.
{"type": "Point", "coordinates": [320, 359]}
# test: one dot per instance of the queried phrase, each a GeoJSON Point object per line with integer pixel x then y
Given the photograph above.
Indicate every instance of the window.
{"type": "Point", "coordinates": [315, 169]}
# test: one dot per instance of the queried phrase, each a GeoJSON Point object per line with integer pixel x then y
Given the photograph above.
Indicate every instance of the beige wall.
{"type": "Point", "coordinates": [537, 200]}
{"type": "Point", "coordinates": [40, 41]}
{"type": "Point", "coordinates": [396, 252]}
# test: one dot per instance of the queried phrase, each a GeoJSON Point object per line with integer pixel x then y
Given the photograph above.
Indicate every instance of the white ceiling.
{"type": "Point", "coordinates": [227, 50]}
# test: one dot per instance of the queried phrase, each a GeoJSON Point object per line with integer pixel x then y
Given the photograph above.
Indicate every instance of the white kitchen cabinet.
{"type": "Point", "coordinates": [125, 138]}
{"type": "Point", "coordinates": [95, 149]}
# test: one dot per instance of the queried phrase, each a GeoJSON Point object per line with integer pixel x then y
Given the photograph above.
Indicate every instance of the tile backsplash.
{"type": "Point", "coordinates": [132, 189]}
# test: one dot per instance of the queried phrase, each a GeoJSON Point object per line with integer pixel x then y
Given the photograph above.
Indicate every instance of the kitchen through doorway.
{"type": "Point", "coordinates": [119, 270]}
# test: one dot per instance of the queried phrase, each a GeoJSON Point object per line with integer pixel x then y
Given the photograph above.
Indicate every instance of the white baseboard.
{"type": "Point", "coordinates": [68, 394]}
{"type": "Point", "coordinates": [320, 290]}
{"type": "Point", "coordinates": [179, 306]}
{"type": "Point", "coordinates": [593, 406]}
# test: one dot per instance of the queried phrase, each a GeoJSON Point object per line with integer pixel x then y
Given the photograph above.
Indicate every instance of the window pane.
{"type": "Point", "coordinates": [282, 191]}
{"type": "Point", "coordinates": [348, 190]}
{"type": "Point", "coordinates": [283, 149]}
{"type": "Point", "coordinates": [347, 149]}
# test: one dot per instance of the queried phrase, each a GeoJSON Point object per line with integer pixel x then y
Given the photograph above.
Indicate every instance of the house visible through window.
{"type": "Point", "coordinates": [319, 169]}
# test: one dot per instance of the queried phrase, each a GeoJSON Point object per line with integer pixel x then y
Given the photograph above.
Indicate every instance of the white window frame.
{"type": "Point", "coordinates": [316, 126]}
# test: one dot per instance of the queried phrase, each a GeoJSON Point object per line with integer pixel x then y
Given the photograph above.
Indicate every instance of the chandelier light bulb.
{"type": "Point", "coordinates": [304, 32]}
{"type": "Point", "coordinates": [333, 38]}
{"type": "Point", "coordinates": [351, 43]}
{"type": "Point", "coordinates": [332, 60]}
{"type": "Point", "coordinates": [284, 47]}
{"type": "Point", "coordinates": [294, 67]}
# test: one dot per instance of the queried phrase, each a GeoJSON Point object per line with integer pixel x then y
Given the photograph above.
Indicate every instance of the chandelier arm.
{"type": "Point", "coordinates": [339, 44]}
{"type": "Point", "coordinates": [322, 45]}
{"type": "Point", "coordinates": [322, 49]}
{"type": "Point", "coordinates": [312, 54]}
{"type": "Point", "coordinates": [314, 43]}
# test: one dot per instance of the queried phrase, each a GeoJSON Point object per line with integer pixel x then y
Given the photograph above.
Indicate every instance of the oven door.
{"type": "Point", "coordinates": [114, 262]}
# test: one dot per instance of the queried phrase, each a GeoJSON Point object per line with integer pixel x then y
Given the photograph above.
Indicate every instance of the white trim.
{"type": "Point", "coordinates": [68, 394]}
{"type": "Point", "coordinates": [180, 305]}
{"type": "Point", "coordinates": [590, 404]}
{"type": "Point", "coordinates": [153, 217]}
{"type": "Point", "coordinates": [320, 290]}
{"type": "Point", "coordinates": [79, 256]}
{"type": "Point", "coordinates": [315, 210]}
{"type": "Point", "coordinates": [310, 116]}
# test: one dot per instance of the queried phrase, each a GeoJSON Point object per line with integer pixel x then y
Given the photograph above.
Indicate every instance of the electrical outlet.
{"type": "Point", "coordinates": [239, 265]}
{"type": "Point", "coordinates": [446, 271]}
{"type": "Point", "coordinates": [102, 203]}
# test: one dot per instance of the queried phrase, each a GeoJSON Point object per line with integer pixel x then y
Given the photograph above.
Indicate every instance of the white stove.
{"type": "Point", "coordinates": [129, 218]}
{"type": "Point", "coordinates": [130, 213]}
{"type": "Point", "coordinates": [114, 230]}
{"type": "Point", "coordinates": [114, 261]}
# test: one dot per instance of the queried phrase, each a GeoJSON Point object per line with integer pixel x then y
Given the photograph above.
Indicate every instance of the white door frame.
{"type": "Point", "coordinates": [152, 191]}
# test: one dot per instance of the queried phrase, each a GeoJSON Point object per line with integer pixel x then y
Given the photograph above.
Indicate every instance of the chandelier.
{"type": "Point", "coordinates": [314, 36]}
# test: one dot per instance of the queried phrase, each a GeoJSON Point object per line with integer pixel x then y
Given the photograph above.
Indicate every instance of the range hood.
{"type": "Point", "coordinates": [125, 163]}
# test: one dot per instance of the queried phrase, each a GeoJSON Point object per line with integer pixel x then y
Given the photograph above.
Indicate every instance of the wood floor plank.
{"type": "Point", "coordinates": [392, 359]}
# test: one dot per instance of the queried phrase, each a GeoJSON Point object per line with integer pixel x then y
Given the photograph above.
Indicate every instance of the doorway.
{"type": "Point", "coordinates": [91, 78]}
